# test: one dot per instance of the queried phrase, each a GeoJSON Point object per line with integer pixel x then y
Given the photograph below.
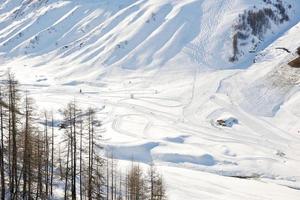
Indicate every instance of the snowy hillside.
{"type": "Point", "coordinates": [160, 74]}
{"type": "Point", "coordinates": [135, 34]}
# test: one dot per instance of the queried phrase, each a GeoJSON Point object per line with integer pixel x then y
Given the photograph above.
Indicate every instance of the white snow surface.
{"type": "Point", "coordinates": [158, 72]}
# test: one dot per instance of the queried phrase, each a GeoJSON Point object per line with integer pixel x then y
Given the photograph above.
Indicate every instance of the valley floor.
{"type": "Point", "coordinates": [151, 117]}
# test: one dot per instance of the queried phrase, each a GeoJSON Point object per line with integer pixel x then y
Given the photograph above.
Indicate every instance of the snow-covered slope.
{"type": "Point", "coordinates": [131, 34]}
{"type": "Point", "coordinates": [161, 68]}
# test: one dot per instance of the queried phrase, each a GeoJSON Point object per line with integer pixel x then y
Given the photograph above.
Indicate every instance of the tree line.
{"type": "Point", "coordinates": [39, 162]}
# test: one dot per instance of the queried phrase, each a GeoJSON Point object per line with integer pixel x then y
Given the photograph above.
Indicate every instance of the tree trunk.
{"type": "Point", "coordinates": [52, 157]}
{"type": "Point", "coordinates": [2, 152]}
{"type": "Point", "coordinates": [46, 157]}
{"type": "Point", "coordinates": [66, 173]}
{"type": "Point", "coordinates": [80, 160]}
{"type": "Point", "coordinates": [75, 152]}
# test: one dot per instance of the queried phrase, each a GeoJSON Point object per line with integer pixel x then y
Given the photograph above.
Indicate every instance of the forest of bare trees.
{"type": "Point", "coordinates": [37, 163]}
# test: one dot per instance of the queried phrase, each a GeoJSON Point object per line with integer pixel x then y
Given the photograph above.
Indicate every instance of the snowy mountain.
{"type": "Point", "coordinates": [134, 34]}
{"type": "Point", "coordinates": [202, 88]}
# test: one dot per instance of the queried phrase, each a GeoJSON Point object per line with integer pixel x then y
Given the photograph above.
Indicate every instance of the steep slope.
{"type": "Point", "coordinates": [130, 34]}
{"type": "Point", "coordinates": [270, 81]}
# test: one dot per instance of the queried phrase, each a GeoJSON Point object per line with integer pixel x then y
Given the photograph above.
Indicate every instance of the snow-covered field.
{"type": "Point", "coordinates": [158, 73]}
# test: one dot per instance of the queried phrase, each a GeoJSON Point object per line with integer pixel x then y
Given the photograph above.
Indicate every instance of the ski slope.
{"type": "Point", "coordinates": [158, 73]}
